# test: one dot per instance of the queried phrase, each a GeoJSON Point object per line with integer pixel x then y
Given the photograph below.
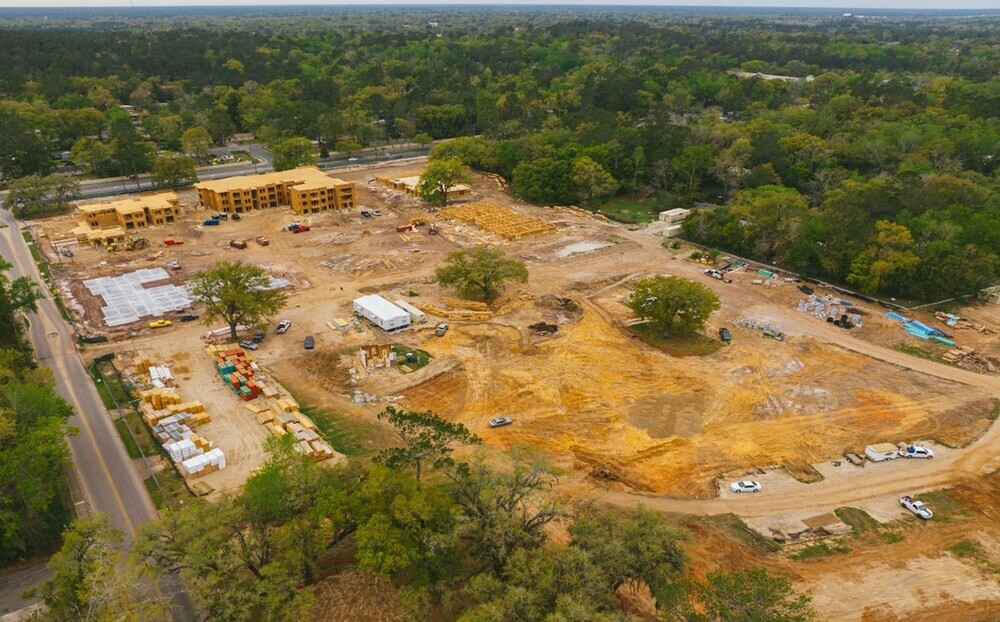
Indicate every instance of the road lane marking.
{"type": "Point", "coordinates": [93, 441]}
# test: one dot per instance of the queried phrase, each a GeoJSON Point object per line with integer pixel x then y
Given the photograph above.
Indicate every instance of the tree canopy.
{"type": "Point", "coordinates": [480, 272]}
{"type": "Point", "coordinates": [237, 293]}
{"type": "Point", "coordinates": [673, 304]}
{"type": "Point", "coordinates": [439, 176]}
{"type": "Point", "coordinates": [293, 152]}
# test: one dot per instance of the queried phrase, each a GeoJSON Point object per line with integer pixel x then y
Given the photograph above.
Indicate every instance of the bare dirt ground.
{"type": "Point", "coordinates": [619, 417]}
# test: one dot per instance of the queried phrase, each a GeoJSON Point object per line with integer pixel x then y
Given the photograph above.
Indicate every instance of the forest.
{"type": "Point", "coordinates": [860, 151]}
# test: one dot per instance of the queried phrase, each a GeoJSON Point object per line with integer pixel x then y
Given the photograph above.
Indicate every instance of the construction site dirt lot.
{"type": "Point", "coordinates": [619, 418]}
{"type": "Point", "coordinates": [600, 402]}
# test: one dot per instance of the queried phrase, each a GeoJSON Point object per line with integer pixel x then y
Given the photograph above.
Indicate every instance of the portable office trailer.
{"type": "Point", "coordinates": [416, 315]}
{"type": "Point", "coordinates": [381, 312]}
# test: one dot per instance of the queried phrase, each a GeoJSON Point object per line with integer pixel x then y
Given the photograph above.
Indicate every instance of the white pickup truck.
{"type": "Point", "coordinates": [917, 507]}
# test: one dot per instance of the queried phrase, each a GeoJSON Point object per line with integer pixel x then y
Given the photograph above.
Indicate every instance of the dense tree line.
{"type": "Point", "coordinates": [466, 540]}
{"type": "Point", "coordinates": [33, 448]}
{"type": "Point", "coordinates": [880, 120]}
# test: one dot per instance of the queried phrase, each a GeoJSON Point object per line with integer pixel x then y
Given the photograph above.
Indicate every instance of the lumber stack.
{"type": "Point", "coordinates": [160, 398]}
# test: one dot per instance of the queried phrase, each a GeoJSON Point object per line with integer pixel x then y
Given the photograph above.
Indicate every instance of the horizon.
{"type": "Point", "coordinates": [931, 6]}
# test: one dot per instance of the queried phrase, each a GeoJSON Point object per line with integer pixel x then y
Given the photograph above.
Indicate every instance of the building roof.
{"type": "Point", "coordinates": [159, 200]}
{"type": "Point", "coordinates": [303, 178]}
{"type": "Point", "coordinates": [380, 307]}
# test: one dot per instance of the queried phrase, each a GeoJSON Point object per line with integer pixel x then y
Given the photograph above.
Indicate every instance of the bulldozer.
{"type": "Point", "coordinates": [418, 222]}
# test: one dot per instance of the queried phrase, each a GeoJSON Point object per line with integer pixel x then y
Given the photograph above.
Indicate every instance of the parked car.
{"type": "Point", "coordinates": [366, 213]}
{"type": "Point", "coordinates": [249, 345]}
{"type": "Point", "coordinates": [174, 265]}
{"type": "Point", "coordinates": [917, 507]}
{"type": "Point", "coordinates": [499, 422]}
{"type": "Point", "coordinates": [258, 336]}
{"type": "Point", "coordinates": [745, 486]}
{"type": "Point", "coordinates": [300, 229]}
{"type": "Point", "coordinates": [376, 212]}
{"type": "Point", "coordinates": [725, 335]}
{"type": "Point", "coordinates": [189, 317]}
{"type": "Point", "coordinates": [283, 327]}
{"type": "Point", "coordinates": [237, 217]}
{"type": "Point", "coordinates": [309, 343]}
{"type": "Point", "coordinates": [160, 323]}
{"type": "Point", "coordinates": [441, 329]}
{"type": "Point", "coordinates": [917, 451]}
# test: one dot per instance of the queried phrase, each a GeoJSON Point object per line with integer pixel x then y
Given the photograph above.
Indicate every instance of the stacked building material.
{"type": "Point", "coordinates": [203, 464]}
{"type": "Point", "coordinates": [236, 368]}
{"type": "Point", "coordinates": [189, 447]}
{"type": "Point", "coordinates": [160, 376]}
{"type": "Point", "coordinates": [160, 398]}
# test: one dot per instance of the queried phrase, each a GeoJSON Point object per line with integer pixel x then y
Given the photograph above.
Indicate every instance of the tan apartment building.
{"type": "Point", "coordinates": [105, 222]}
{"type": "Point", "coordinates": [307, 190]}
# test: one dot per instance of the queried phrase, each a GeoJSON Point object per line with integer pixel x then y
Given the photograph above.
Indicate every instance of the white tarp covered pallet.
{"type": "Point", "coordinates": [126, 300]}
{"type": "Point", "coordinates": [196, 464]}
{"type": "Point", "coordinates": [381, 312]}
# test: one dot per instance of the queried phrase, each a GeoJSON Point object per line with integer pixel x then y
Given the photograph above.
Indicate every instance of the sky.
{"type": "Point", "coordinates": [855, 5]}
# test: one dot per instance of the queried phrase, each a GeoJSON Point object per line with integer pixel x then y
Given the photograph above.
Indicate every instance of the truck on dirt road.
{"type": "Point", "coordinates": [917, 507]}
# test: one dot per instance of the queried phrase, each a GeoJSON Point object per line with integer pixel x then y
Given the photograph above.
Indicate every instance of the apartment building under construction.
{"type": "Point", "coordinates": [307, 190]}
{"type": "Point", "coordinates": [107, 222]}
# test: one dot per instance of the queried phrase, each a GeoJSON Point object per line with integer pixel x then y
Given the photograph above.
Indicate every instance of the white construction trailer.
{"type": "Point", "coordinates": [416, 315]}
{"type": "Point", "coordinates": [381, 312]}
{"type": "Point", "coordinates": [881, 451]}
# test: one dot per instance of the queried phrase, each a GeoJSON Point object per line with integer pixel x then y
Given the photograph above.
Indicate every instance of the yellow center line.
{"type": "Point", "coordinates": [58, 362]}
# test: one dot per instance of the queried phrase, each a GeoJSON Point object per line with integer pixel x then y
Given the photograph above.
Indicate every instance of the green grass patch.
{"type": "Point", "coordinates": [414, 358]}
{"type": "Point", "coordinates": [130, 445]}
{"type": "Point", "coordinates": [823, 549]}
{"type": "Point", "coordinates": [677, 345]}
{"type": "Point", "coordinates": [865, 527]}
{"type": "Point", "coordinates": [964, 549]}
{"type": "Point", "coordinates": [36, 254]}
{"type": "Point", "coordinates": [142, 434]}
{"type": "Point", "coordinates": [624, 209]}
{"type": "Point", "coordinates": [350, 436]}
{"type": "Point", "coordinates": [859, 520]}
{"type": "Point", "coordinates": [732, 524]}
{"type": "Point", "coordinates": [113, 392]}
{"type": "Point", "coordinates": [912, 350]}
{"type": "Point", "coordinates": [944, 506]}
{"type": "Point", "coordinates": [170, 490]}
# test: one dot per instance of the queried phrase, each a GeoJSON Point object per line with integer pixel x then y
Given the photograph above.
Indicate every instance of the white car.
{"type": "Point", "coordinates": [499, 422]}
{"type": "Point", "coordinates": [283, 327]}
{"type": "Point", "coordinates": [917, 451]}
{"type": "Point", "coordinates": [917, 507]}
{"type": "Point", "coordinates": [249, 345]}
{"type": "Point", "coordinates": [747, 486]}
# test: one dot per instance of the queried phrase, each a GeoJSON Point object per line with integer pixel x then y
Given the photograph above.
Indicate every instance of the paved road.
{"type": "Point", "coordinates": [111, 186]}
{"type": "Point", "coordinates": [109, 484]}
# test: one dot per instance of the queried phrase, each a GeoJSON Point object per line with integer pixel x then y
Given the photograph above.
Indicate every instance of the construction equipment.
{"type": "Point", "coordinates": [418, 222]}
{"type": "Point", "coordinates": [432, 230]}
{"type": "Point", "coordinates": [240, 244]}
{"type": "Point", "coordinates": [262, 241]}
{"type": "Point", "coordinates": [134, 244]}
